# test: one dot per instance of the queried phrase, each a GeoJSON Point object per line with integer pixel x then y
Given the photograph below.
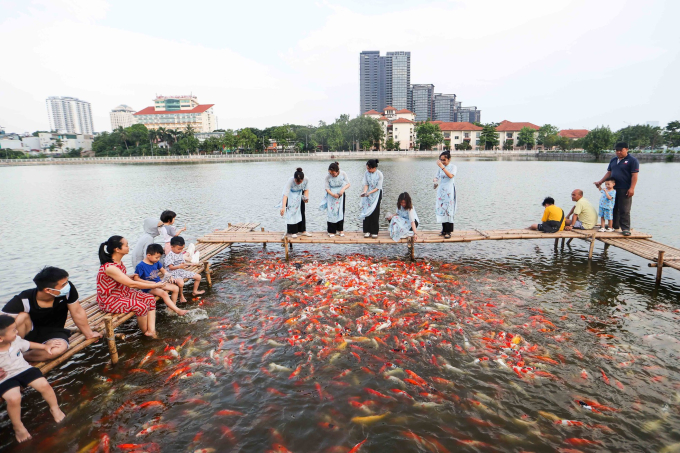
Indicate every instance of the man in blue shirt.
{"type": "Point", "coordinates": [624, 168]}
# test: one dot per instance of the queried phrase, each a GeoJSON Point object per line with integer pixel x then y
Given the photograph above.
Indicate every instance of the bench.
{"type": "Point", "coordinates": [106, 323]}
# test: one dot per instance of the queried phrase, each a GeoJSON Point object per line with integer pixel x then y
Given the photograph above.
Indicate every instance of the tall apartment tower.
{"type": "Point", "coordinates": [398, 79]}
{"type": "Point", "coordinates": [468, 114]}
{"type": "Point", "coordinates": [122, 116]}
{"type": "Point", "coordinates": [371, 81]}
{"type": "Point", "coordinates": [69, 115]}
{"type": "Point", "coordinates": [444, 107]}
{"type": "Point", "coordinates": [422, 101]}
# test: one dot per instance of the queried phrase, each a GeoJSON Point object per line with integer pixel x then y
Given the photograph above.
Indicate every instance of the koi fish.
{"type": "Point", "coordinates": [153, 428]}
{"type": "Point", "coordinates": [369, 419]}
{"type": "Point", "coordinates": [356, 448]}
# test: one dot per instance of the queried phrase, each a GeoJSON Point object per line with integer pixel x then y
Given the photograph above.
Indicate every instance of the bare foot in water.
{"type": "Point", "coordinates": [21, 434]}
{"type": "Point", "coordinates": [57, 414]}
{"type": "Point", "coordinates": [198, 293]}
{"type": "Point", "coordinates": [151, 334]}
{"type": "Point", "coordinates": [182, 312]}
{"type": "Point", "coordinates": [183, 300]}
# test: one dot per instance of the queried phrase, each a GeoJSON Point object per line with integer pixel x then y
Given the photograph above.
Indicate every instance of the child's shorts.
{"type": "Point", "coordinates": [20, 380]}
{"type": "Point", "coordinates": [608, 214]}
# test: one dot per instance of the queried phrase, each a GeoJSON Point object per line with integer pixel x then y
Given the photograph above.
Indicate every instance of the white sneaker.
{"type": "Point", "coordinates": [331, 235]}
{"type": "Point", "coordinates": [342, 235]}
{"type": "Point", "coordinates": [374, 236]}
{"type": "Point", "coordinates": [306, 233]}
{"type": "Point", "coordinates": [610, 230]}
{"type": "Point", "coordinates": [293, 235]}
{"type": "Point", "coordinates": [367, 235]}
{"type": "Point", "coordinates": [602, 230]}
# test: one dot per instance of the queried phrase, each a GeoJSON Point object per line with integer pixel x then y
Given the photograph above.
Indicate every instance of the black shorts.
{"type": "Point", "coordinates": [20, 380]}
{"type": "Point", "coordinates": [44, 334]}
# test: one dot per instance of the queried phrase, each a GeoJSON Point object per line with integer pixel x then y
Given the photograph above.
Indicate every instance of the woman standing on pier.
{"type": "Point", "coordinates": [118, 293]}
{"type": "Point", "coordinates": [447, 204]}
{"type": "Point", "coordinates": [371, 196]}
{"type": "Point", "coordinates": [295, 195]}
{"type": "Point", "coordinates": [337, 182]}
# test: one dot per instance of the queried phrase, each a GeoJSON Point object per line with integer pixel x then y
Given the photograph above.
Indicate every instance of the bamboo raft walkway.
{"type": "Point", "coordinates": [107, 322]}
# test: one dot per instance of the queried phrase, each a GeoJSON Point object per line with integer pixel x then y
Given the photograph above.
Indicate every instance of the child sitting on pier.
{"type": "Point", "coordinates": [607, 201]}
{"type": "Point", "coordinates": [175, 263]}
{"type": "Point", "coordinates": [151, 269]}
{"type": "Point", "coordinates": [15, 372]}
{"type": "Point", "coordinates": [169, 230]}
{"type": "Point", "coordinates": [405, 222]}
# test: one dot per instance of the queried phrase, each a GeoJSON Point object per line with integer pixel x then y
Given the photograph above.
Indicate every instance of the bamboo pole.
{"type": "Point", "coordinates": [285, 246]}
{"type": "Point", "coordinates": [592, 247]}
{"type": "Point", "coordinates": [111, 339]}
{"type": "Point", "coordinates": [264, 244]}
{"type": "Point", "coordinates": [557, 242]}
{"type": "Point", "coordinates": [49, 366]}
{"type": "Point", "coordinates": [412, 244]}
{"type": "Point", "coordinates": [562, 246]}
{"type": "Point", "coordinates": [208, 272]}
{"type": "Point", "coordinates": [659, 268]}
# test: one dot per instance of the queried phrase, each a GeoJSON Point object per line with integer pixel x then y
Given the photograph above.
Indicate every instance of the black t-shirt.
{"type": "Point", "coordinates": [55, 316]}
{"type": "Point", "coordinates": [622, 171]}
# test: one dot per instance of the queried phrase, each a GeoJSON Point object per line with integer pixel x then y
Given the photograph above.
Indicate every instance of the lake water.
{"type": "Point", "coordinates": [569, 315]}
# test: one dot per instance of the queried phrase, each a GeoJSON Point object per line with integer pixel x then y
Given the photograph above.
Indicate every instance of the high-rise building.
{"type": "Point", "coordinates": [422, 101]}
{"type": "Point", "coordinates": [468, 115]}
{"type": "Point", "coordinates": [371, 81]}
{"type": "Point", "coordinates": [178, 112]}
{"type": "Point", "coordinates": [69, 115]}
{"type": "Point", "coordinates": [444, 107]}
{"type": "Point", "coordinates": [122, 116]}
{"type": "Point", "coordinates": [398, 79]}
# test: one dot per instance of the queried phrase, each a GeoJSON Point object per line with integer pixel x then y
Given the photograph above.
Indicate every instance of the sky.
{"type": "Point", "coordinates": [573, 64]}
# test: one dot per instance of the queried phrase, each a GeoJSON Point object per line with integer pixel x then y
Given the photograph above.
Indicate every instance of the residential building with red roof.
{"type": "Point", "coordinates": [508, 130]}
{"type": "Point", "coordinates": [456, 133]}
{"type": "Point", "coordinates": [573, 134]}
{"type": "Point", "coordinates": [398, 125]}
{"type": "Point", "coordinates": [178, 112]}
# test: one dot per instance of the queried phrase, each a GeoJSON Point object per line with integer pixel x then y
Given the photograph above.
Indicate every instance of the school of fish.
{"type": "Point", "coordinates": [356, 354]}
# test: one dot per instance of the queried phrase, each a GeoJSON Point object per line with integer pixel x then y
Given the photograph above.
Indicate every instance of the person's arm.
{"type": "Point", "coordinates": [347, 183]}
{"type": "Point", "coordinates": [604, 178]}
{"type": "Point", "coordinates": [44, 347]}
{"type": "Point", "coordinates": [14, 307]}
{"type": "Point", "coordinates": [633, 183]}
{"type": "Point", "coordinates": [284, 203]}
{"type": "Point", "coordinates": [609, 197]}
{"type": "Point", "coordinates": [378, 186]}
{"type": "Point", "coordinates": [80, 320]}
{"type": "Point", "coordinates": [305, 195]}
{"type": "Point", "coordinates": [116, 274]}
{"type": "Point", "coordinates": [444, 169]}
{"type": "Point", "coordinates": [545, 215]}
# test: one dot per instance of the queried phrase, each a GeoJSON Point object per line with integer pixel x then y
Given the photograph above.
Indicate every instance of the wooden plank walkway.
{"type": "Point", "coordinates": [107, 322]}
{"type": "Point", "coordinates": [660, 255]}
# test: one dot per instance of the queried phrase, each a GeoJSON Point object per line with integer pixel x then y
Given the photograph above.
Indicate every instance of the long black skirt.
{"type": "Point", "coordinates": [372, 222]}
{"type": "Point", "coordinates": [338, 226]}
{"type": "Point", "coordinates": [301, 226]}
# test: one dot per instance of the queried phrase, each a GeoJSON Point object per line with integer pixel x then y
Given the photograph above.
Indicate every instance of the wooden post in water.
{"type": "Point", "coordinates": [208, 272]}
{"type": "Point", "coordinates": [606, 246]}
{"type": "Point", "coordinates": [285, 246]}
{"type": "Point", "coordinates": [264, 244]}
{"type": "Point", "coordinates": [557, 241]}
{"type": "Point", "coordinates": [411, 245]}
{"type": "Point", "coordinates": [562, 246]}
{"type": "Point", "coordinates": [111, 339]}
{"type": "Point", "coordinates": [592, 247]}
{"type": "Point", "coordinates": [659, 266]}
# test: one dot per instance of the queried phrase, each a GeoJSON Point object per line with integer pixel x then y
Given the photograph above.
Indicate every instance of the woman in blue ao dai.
{"type": "Point", "coordinates": [446, 202]}
{"type": "Point", "coordinates": [337, 182]}
{"type": "Point", "coordinates": [404, 223]}
{"type": "Point", "coordinates": [295, 195]}
{"type": "Point", "coordinates": [370, 199]}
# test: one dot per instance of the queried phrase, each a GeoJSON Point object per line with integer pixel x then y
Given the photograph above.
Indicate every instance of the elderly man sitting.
{"type": "Point", "coordinates": [582, 216]}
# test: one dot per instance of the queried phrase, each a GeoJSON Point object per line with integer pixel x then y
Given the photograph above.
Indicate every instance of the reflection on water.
{"type": "Point", "coordinates": [605, 318]}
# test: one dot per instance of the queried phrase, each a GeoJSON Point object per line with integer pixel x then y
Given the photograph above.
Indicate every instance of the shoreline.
{"type": "Point", "coordinates": [346, 155]}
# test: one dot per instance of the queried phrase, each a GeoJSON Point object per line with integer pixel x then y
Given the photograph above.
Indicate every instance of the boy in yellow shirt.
{"type": "Point", "coordinates": [552, 220]}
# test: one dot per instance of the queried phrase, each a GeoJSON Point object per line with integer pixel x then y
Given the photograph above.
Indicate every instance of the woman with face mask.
{"type": "Point", "coordinates": [337, 182]}
{"type": "Point", "coordinates": [370, 199]}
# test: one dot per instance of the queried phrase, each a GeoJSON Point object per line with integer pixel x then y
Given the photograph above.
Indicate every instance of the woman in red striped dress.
{"type": "Point", "coordinates": [118, 293]}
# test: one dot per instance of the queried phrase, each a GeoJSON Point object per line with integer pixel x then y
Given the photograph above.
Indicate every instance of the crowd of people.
{"type": "Point", "coordinates": [32, 323]}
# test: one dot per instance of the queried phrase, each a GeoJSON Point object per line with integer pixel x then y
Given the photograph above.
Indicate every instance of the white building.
{"type": "Point", "coordinates": [64, 142]}
{"type": "Point", "coordinates": [398, 125]}
{"type": "Point", "coordinates": [69, 115]}
{"type": "Point", "coordinates": [122, 116]}
{"type": "Point", "coordinates": [178, 112]}
{"type": "Point", "coordinates": [456, 133]}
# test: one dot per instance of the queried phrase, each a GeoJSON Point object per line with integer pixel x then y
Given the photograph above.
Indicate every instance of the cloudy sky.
{"type": "Point", "coordinates": [575, 64]}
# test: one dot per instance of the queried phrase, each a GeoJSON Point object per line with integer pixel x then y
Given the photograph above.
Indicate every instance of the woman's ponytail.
{"type": "Point", "coordinates": [106, 249]}
{"type": "Point", "coordinates": [335, 167]}
{"type": "Point", "coordinates": [299, 176]}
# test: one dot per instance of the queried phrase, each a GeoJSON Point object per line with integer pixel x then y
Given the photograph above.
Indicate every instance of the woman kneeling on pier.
{"type": "Point", "coordinates": [337, 182]}
{"type": "Point", "coordinates": [295, 195]}
{"type": "Point", "coordinates": [447, 203]}
{"type": "Point", "coordinates": [405, 222]}
{"type": "Point", "coordinates": [371, 196]}
{"type": "Point", "coordinates": [117, 293]}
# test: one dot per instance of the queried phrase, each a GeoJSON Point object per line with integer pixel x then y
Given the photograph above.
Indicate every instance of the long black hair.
{"type": "Point", "coordinates": [404, 196]}
{"type": "Point", "coordinates": [334, 167]}
{"type": "Point", "coordinates": [106, 249]}
{"type": "Point", "coordinates": [372, 163]}
{"type": "Point", "coordinates": [299, 176]}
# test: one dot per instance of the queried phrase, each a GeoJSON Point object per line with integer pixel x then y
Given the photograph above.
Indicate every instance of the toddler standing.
{"type": "Point", "coordinates": [17, 373]}
{"type": "Point", "coordinates": [607, 201]}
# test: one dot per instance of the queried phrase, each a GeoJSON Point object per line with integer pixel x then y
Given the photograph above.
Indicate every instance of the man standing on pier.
{"type": "Point", "coordinates": [41, 313]}
{"type": "Point", "coordinates": [624, 168]}
{"type": "Point", "coordinates": [582, 216]}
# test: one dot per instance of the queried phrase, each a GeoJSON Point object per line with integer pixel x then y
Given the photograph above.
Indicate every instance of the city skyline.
{"type": "Point", "coordinates": [533, 61]}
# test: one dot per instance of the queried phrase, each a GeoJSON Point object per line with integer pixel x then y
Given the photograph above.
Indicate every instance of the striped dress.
{"type": "Point", "coordinates": [114, 297]}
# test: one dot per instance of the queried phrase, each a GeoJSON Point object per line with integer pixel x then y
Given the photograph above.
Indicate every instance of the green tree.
{"type": "Point", "coordinates": [465, 146]}
{"type": "Point", "coordinates": [137, 133]}
{"type": "Point", "coordinates": [189, 131]}
{"type": "Point", "coordinates": [526, 137]}
{"type": "Point", "coordinates": [282, 135]}
{"type": "Point", "coordinates": [547, 136]}
{"type": "Point", "coordinates": [564, 143]}
{"type": "Point", "coordinates": [37, 133]}
{"type": "Point", "coordinates": [489, 136]}
{"type": "Point", "coordinates": [428, 135]}
{"type": "Point", "coordinates": [188, 144]}
{"type": "Point", "coordinates": [123, 134]}
{"type": "Point", "coordinates": [599, 140]}
{"type": "Point", "coordinates": [390, 145]}
{"type": "Point", "coordinates": [672, 134]}
{"type": "Point", "coordinates": [508, 144]}
{"type": "Point", "coordinates": [246, 138]}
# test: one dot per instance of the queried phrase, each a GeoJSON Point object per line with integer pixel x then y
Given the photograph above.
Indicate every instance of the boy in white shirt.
{"type": "Point", "coordinates": [15, 372]}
